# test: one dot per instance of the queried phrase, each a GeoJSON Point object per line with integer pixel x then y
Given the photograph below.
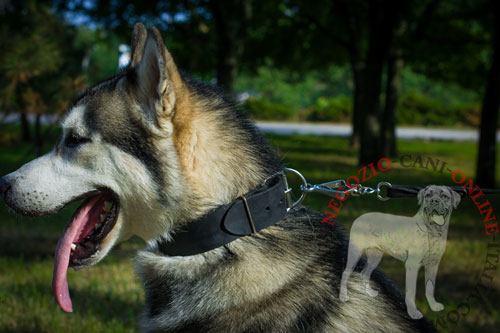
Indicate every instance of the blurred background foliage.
{"type": "Point", "coordinates": [327, 96]}
{"type": "Point", "coordinates": [372, 63]}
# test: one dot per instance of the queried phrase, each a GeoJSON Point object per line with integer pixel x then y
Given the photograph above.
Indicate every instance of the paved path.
{"type": "Point", "coordinates": [345, 131]}
{"type": "Point", "coordinates": [329, 130]}
{"type": "Point", "coordinates": [12, 118]}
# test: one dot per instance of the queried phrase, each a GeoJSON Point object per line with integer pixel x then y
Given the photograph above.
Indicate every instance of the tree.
{"type": "Point", "coordinates": [486, 157]}
{"type": "Point", "coordinates": [404, 38]}
{"type": "Point", "coordinates": [376, 36]}
{"type": "Point", "coordinates": [27, 53]}
{"type": "Point", "coordinates": [461, 44]}
{"type": "Point", "coordinates": [395, 64]}
{"type": "Point", "coordinates": [232, 19]}
{"type": "Point", "coordinates": [37, 66]}
{"type": "Point", "coordinates": [442, 39]}
{"type": "Point", "coordinates": [382, 23]}
{"type": "Point", "coordinates": [195, 30]}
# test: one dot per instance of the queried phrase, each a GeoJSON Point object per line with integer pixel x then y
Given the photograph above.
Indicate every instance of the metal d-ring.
{"type": "Point", "coordinates": [379, 190]}
{"type": "Point", "coordinates": [288, 191]}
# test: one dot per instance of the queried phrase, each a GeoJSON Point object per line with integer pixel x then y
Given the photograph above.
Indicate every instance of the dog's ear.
{"type": "Point", "coordinates": [139, 36]}
{"type": "Point", "coordinates": [420, 196]}
{"type": "Point", "coordinates": [156, 73]}
{"type": "Point", "coordinates": [455, 198]}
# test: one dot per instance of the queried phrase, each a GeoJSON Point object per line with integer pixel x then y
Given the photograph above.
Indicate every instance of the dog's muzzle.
{"type": "Point", "coordinates": [439, 207]}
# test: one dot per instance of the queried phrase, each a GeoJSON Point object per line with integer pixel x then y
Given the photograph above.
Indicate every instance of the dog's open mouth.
{"type": "Point", "coordinates": [439, 216]}
{"type": "Point", "coordinates": [90, 224]}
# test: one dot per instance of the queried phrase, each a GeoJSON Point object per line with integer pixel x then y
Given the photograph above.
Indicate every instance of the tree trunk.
{"type": "Point", "coordinates": [231, 24]}
{"type": "Point", "coordinates": [393, 89]}
{"type": "Point", "coordinates": [486, 158]}
{"type": "Point", "coordinates": [382, 19]}
{"type": "Point", "coordinates": [25, 128]}
{"type": "Point", "coordinates": [357, 67]}
{"type": "Point", "coordinates": [392, 93]}
{"type": "Point", "coordinates": [354, 48]}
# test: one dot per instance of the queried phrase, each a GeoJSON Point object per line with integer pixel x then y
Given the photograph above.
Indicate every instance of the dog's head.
{"type": "Point", "coordinates": [117, 154]}
{"type": "Point", "coordinates": [146, 151]}
{"type": "Point", "coordinates": [437, 203]}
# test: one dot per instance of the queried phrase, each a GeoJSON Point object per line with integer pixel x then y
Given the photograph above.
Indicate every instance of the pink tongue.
{"type": "Point", "coordinates": [63, 251]}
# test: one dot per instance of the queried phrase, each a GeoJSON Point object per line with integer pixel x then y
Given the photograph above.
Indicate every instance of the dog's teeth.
{"type": "Point", "coordinates": [103, 217]}
{"type": "Point", "coordinates": [73, 247]}
{"type": "Point", "coordinates": [107, 206]}
{"type": "Point", "coordinates": [98, 225]}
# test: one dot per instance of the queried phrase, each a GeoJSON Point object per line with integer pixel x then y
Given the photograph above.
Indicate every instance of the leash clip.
{"type": "Point", "coordinates": [329, 188]}
{"type": "Point", "coordinates": [335, 188]}
{"type": "Point", "coordinates": [379, 191]}
{"type": "Point", "coordinates": [360, 190]}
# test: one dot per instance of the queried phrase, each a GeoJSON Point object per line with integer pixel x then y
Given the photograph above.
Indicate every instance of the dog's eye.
{"type": "Point", "coordinates": [73, 140]}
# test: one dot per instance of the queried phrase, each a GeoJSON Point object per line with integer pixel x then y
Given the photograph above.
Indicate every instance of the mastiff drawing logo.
{"type": "Point", "coordinates": [418, 241]}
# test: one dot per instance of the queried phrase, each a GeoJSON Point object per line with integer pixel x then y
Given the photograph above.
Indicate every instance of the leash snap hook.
{"type": "Point", "coordinates": [379, 190]}
{"type": "Point", "coordinates": [331, 189]}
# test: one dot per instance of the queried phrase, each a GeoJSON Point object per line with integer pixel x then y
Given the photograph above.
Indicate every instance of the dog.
{"type": "Point", "coordinates": [418, 241]}
{"type": "Point", "coordinates": [151, 151]}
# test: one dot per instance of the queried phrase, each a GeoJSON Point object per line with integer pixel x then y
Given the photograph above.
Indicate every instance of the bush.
{"type": "Point", "coordinates": [414, 109]}
{"type": "Point", "coordinates": [417, 109]}
{"type": "Point", "coordinates": [264, 110]}
{"type": "Point", "coordinates": [337, 109]}
{"type": "Point", "coordinates": [295, 90]}
{"type": "Point", "coordinates": [324, 96]}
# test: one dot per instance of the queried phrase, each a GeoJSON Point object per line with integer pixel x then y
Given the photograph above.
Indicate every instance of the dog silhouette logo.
{"type": "Point", "coordinates": [418, 241]}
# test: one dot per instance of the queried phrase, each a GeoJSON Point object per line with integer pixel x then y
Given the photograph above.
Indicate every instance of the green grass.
{"type": "Point", "coordinates": [109, 298]}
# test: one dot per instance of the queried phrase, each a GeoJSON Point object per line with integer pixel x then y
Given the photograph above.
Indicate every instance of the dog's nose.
{"type": "Point", "coordinates": [4, 186]}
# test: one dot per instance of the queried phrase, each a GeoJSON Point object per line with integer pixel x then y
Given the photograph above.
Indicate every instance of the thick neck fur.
{"type": "Point", "coordinates": [221, 154]}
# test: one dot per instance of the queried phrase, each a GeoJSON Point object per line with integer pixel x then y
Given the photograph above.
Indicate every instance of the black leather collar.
{"type": "Point", "coordinates": [248, 214]}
